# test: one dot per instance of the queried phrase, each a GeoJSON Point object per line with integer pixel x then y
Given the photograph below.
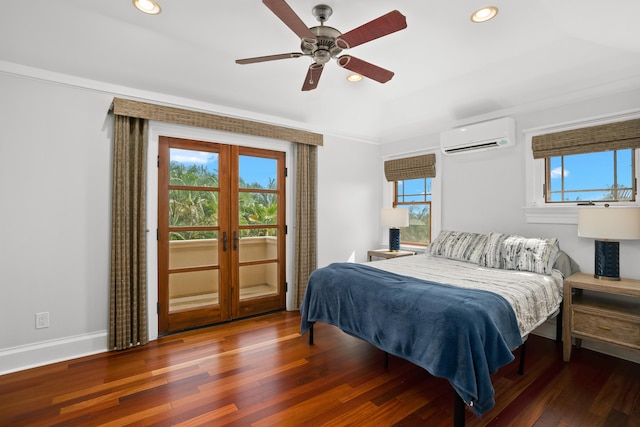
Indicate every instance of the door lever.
{"type": "Point", "coordinates": [235, 240]}
{"type": "Point", "coordinates": [224, 241]}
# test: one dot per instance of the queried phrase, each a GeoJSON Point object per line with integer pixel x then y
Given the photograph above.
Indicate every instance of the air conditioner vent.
{"type": "Point", "coordinates": [497, 133]}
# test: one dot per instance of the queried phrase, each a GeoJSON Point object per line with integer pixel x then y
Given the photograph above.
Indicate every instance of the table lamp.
{"type": "Point", "coordinates": [394, 218]}
{"type": "Point", "coordinates": [608, 225]}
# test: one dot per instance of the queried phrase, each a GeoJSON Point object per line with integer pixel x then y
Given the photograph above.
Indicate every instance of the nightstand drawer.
{"type": "Point", "coordinates": [614, 330]}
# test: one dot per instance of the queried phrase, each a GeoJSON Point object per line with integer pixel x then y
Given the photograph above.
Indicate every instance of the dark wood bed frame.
{"type": "Point", "coordinates": [458, 403]}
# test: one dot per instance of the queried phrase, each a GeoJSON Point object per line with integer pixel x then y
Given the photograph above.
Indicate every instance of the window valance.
{"type": "Point", "coordinates": [143, 110]}
{"type": "Point", "coordinates": [610, 136]}
{"type": "Point", "coordinates": [410, 168]}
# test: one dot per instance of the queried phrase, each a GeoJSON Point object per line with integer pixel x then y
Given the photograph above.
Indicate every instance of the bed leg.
{"type": "Point", "coordinates": [523, 352]}
{"type": "Point", "coordinates": [311, 335]}
{"type": "Point", "coordinates": [559, 324]}
{"type": "Point", "coordinates": [458, 410]}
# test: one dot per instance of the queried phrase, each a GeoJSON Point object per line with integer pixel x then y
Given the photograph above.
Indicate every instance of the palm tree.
{"type": "Point", "coordinates": [618, 192]}
{"type": "Point", "coordinates": [189, 207]}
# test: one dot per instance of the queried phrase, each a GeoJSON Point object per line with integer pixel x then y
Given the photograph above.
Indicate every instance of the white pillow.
{"type": "Point", "coordinates": [511, 252]}
{"type": "Point", "coordinates": [459, 245]}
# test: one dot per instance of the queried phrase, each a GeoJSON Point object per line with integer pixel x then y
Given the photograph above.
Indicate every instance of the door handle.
{"type": "Point", "coordinates": [235, 240]}
{"type": "Point", "coordinates": [224, 241]}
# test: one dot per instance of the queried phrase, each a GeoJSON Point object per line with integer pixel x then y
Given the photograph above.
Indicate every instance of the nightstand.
{"type": "Point", "coordinates": [600, 310]}
{"type": "Point", "coordinates": [387, 254]}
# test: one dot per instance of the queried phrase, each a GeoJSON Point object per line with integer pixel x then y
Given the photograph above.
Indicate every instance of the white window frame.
{"type": "Point", "coordinates": [537, 210]}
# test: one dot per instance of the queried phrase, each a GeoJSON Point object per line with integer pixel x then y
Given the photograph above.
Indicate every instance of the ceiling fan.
{"type": "Point", "coordinates": [322, 43]}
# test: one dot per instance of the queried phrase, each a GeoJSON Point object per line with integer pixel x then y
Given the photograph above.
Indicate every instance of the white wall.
{"type": "Point", "coordinates": [55, 181]}
{"type": "Point", "coordinates": [485, 191]}
{"type": "Point", "coordinates": [349, 200]}
{"type": "Point", "coordinates": [55, 156]}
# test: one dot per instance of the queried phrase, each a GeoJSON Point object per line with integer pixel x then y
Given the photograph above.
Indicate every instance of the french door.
{"type": "Point", "coordinates": [221, 232]}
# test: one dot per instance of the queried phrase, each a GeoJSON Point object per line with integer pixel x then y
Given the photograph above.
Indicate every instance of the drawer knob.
{"type": "Point", "coordinates": [604, 328]}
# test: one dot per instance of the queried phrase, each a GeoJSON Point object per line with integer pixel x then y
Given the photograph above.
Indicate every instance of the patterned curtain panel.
{"type": "Point", "coordinates": [128, 298]}
{"type": "Point", "coordinates": [610, 136]}
{"type": "Point", "coordinates": [305, 235]}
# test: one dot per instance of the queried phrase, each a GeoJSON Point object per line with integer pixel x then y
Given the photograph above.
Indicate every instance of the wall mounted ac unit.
{"type": "Point", "coordinates": [497, 133]}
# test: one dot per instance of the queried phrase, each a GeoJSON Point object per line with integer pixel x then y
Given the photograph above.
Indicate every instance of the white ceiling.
{"type": "Point", "coordinates": [448, 71]}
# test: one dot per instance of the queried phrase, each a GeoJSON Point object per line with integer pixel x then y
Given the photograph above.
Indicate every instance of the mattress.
{"type": "Point", "coordinates": [534, 297]}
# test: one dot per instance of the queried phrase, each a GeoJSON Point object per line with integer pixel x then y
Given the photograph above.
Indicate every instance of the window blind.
{"type": "Point", "coordinates": [610, 136]}
{"type": "Point", "coordinates": [410, 168]}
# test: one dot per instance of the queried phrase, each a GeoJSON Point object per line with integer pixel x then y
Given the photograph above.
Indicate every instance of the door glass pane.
{"type": "Point", "coordinates": [258, 244]}
{"type": "Point", "coordinates": [193, 168]}
{"type": "Point", "coordinates": [194, 289]}
{"type": "Point", "coordinates": [258, 172]}
{"type": "Point", "coordinates": [195, 251]}
{"type": "Point", "coordinates": [258, 280]}
{"type": "Point", "coordinates": [193, 208]}
{"type": "Point", "coordinates": [258, 208]}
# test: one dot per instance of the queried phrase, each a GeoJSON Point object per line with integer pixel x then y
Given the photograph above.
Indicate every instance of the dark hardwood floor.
{"type": "Point", "coordinates": [261, 372]}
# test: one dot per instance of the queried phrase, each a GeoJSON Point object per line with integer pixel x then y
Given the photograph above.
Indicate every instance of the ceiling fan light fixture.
{"type": "Point", "coordinates": [149, 7]}
{"type": "Point", "coordinates": [354, 77]}
{"type": "Point", "coordinates": [484, 14]}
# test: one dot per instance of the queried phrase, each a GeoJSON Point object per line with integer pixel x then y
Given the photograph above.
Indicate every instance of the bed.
{"type": "Point", "coordinates": [458, 311]}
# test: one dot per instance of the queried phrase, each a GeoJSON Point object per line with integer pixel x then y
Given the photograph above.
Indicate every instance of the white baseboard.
{"type": "Point", "coordinates": [59, 350]}
{"type": "Point", "coordinates": [46, 352]}
{"type": "Point", "coordinates": [548, 330]}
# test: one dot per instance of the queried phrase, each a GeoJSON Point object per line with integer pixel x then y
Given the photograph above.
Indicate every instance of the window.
{"type": "Point", "coordinates": [604, 176]}
{"type": "Point", "coordinates": [415, 195]}
{"type": "Point", "coordinates": [590, 161]}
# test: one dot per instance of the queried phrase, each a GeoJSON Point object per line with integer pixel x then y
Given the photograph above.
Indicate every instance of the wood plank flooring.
{"type": "Point", "coordinates": [261, 372]}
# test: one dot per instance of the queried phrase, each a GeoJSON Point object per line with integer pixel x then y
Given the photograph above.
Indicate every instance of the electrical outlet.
{"type": "Point", "coordinates": [42, 320]}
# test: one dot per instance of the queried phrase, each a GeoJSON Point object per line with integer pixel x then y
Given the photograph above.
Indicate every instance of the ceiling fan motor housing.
{"type": "Point", "coordinates": [325, 46]}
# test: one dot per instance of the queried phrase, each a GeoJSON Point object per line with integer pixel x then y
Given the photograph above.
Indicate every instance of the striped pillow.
{"type": "Point", "coordinates": [511, 252]}
{"type": "Point", "coordinates": [459, 245]}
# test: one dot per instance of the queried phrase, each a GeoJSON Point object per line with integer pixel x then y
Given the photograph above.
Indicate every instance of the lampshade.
{"type": "Point", "coordinates": [394, 217]}
{"type": "Point", "coordinates": [609, 223]}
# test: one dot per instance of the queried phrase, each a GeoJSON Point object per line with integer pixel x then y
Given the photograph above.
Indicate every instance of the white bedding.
{"type": "Point", "coordinates": [534, 297]}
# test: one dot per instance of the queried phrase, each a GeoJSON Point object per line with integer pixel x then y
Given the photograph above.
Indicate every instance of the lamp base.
{"type": "Point", "coordinates": [607, 260]}
{"type": "Point", "coordinates": [394, 239]}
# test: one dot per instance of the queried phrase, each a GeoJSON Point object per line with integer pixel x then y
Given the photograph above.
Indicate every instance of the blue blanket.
{"type": "Point", "coordinates": [462, 335]}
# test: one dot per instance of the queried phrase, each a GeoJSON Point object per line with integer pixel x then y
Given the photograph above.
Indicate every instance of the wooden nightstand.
{"type": "Point", "coordinates": [385, 253]}
{"type": "Point", "coordinates": [596, 313]}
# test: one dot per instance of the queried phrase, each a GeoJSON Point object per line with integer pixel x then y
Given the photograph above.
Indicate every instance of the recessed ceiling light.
{"type": "Point", "coordinates": [354, 77]}
{"type": "Point", "coordinates": [147, 6]}
{"type": "Point", "coordinates": [484, 14]}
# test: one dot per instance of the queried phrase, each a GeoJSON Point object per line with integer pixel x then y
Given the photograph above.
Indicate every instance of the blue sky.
{"type": "Point", "coordinates": [252, 169]}
{"type": "Point", "coordinates": [593, 170]}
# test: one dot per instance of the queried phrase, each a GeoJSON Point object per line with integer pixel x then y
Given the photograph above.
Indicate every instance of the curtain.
{"type": "Point", "coordinates": [610, 136]}
{"type": "Point", "coordinates": [305, 232]}
{"type": "Point", "coordinates": [161, 113]}
{"type": "Point", "coordinates": [410, 168]}
{"type": "Point", "coordinates": [128, 287]}
{"type": "Point", "coordinates": [128, 325]}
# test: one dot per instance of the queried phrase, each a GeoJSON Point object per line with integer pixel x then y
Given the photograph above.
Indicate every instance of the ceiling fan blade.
{"type": "Point", "coordinates": [364, 68]}
{"type": "Point", "coordinates": [268, 58]}
{"type": "Point", "coordinates": [283, 11]}
{"type": "Point", "coordinates": [386, 24]}
{"type": "Point", "coordinates": [313, 76]}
